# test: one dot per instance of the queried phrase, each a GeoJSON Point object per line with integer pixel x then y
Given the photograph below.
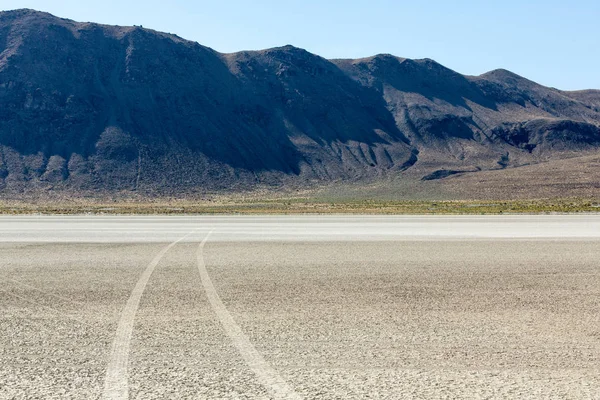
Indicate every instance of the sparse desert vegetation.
{"type": "Point", "coordinates": [299, 205]}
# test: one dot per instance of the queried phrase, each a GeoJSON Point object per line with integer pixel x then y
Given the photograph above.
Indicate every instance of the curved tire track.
{"type": "Point", "coordinates": [266, 374]}
{"type": "Point", "coordinates": [116, 382]}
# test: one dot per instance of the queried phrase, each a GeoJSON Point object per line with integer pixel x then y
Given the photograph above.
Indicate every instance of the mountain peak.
{"type": "Point", "coordinates": [384, 58]}
{"type": "Point", "coordinates": [506, 77]}
{"type": "Point", "coordinates": [21, 11]}
{"type": "Point", "coordinates": [502, 73]}
{"type": "Point", "coordinates": [25, 12]}
{"type": "Point", "coordinates": [287, 49]}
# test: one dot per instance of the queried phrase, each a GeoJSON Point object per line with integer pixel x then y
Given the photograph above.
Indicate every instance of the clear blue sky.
{"type": "Point", "coordinates": [554, 42]}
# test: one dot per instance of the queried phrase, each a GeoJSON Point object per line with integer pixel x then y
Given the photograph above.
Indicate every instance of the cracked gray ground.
{"type": "Point", "coordinates": [369, 317]}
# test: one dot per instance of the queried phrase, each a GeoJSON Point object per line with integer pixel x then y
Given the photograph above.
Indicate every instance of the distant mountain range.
{"type": "Point", "coordinates": [95, 108]}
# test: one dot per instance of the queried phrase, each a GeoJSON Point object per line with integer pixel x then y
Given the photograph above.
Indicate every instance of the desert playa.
{"type": "Point", "coordinates": [273, 307]}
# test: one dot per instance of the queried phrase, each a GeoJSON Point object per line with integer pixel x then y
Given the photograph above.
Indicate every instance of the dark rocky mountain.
{"type": "Point", "coordinates": [88, 107]}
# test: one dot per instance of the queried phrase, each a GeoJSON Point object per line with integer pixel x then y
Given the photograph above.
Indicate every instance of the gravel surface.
{"type": "Point", "coordinates": [363, 316]}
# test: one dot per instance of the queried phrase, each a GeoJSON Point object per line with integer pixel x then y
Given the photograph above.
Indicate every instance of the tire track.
{"type": "Point", "coordinates": [266, 374]}
{"type": "Point", "coordinates": [116, 382]}
{"type": "Point", "coordinates": [37, 289]}
{"type": "Point", "coordinates": [47, 308]}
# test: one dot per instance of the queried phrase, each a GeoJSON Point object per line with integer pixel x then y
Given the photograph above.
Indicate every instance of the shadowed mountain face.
{"type": "Point", "coordinates": [91, 107]}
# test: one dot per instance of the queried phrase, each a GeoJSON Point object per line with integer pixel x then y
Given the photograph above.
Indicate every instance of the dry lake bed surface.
{"type": "Point", "coordinates": [300, 307]}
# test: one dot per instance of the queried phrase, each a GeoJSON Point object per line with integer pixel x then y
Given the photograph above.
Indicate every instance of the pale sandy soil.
{"type": "Point", "coordinates": [438, 318]}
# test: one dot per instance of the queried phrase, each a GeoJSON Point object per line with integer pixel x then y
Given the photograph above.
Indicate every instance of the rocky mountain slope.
{"type": "Point", "coordinates": [88, 107]}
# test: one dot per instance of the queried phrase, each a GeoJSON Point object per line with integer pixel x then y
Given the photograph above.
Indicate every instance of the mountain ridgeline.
{"type": "Point", "coordinates": [89, 107]}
